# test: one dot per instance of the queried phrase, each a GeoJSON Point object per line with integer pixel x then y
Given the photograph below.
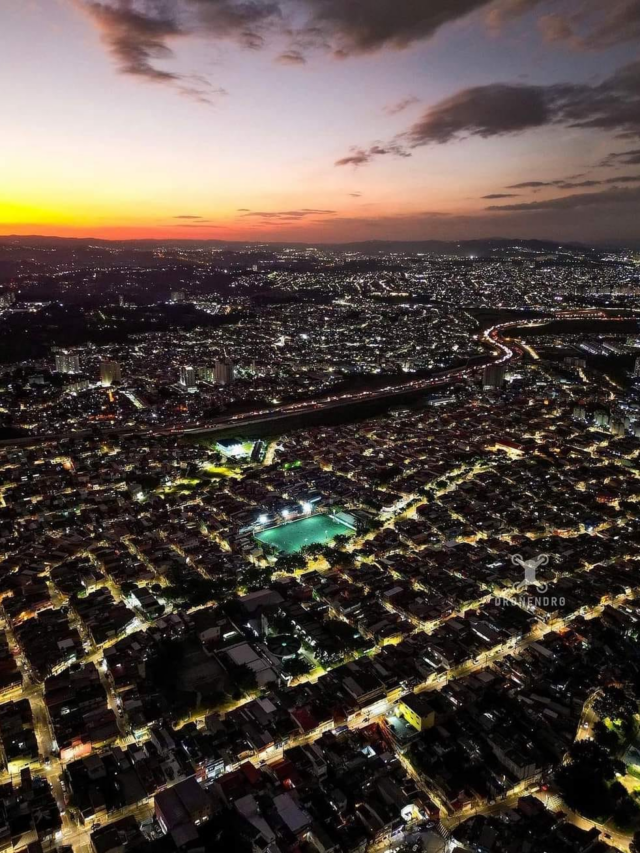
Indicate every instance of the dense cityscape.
{"type": "Point", "coordinates": [320, 426]}
{"type": "Point", "coordinates": [353, 571]}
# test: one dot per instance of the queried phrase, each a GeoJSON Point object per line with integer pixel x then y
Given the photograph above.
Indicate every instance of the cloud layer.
{"type": "Point", "coordinates": [606, 198]}
{"type": "Point", "coordinates": [593, 25]}
{"type": "Point", "coordinates": [140, 34]}
{"type": "Point", "coordinates": [501, 109]}
{"type": "Point", "coordinates": [284, 216]}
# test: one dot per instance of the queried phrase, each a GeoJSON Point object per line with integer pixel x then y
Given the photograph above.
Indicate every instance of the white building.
{"type": "Point", "coordinates": [67, 362]}
{"type": "Point", "coordinates": [224, 371]}
{"type": "Point", "coordinates": [188, 377]}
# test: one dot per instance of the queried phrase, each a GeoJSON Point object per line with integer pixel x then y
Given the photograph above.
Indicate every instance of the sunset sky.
{"type": "Point", "coordinates": [320, 120]}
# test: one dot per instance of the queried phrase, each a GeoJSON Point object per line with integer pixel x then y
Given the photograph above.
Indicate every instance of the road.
{"type": "Point", "coordinates": [504, 351]}
{"type": "Point", "coordinates": [490, 337]}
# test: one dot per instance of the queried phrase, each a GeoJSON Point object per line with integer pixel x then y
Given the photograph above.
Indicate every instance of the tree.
{"type": "Point", "coordinates": [256, 577]}
{"type": "Point", "coordinates": [583, 782]}
{"type": "Point", "coordinates": [289, 563]}
{"type": "Point", "coordinates": [336, 557]}
{"type": "Point", "coordinates": [591, 755]}
{"type": "Point", "coordinates": [605, 737]}
{"type": "Point", "coordinates": [296, 666]}
{"type": "Point", "coordinates": [242, 678]}
{"type": "Point", "coordinates": [316, 549]}
{"type": "Point", "coordinates": [626, 812]}
{"type": "Point", "coordinates": [616, 703]}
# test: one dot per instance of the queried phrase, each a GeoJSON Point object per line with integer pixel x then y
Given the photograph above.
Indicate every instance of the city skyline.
{"type": "Point", "coordinates": [314, 121]}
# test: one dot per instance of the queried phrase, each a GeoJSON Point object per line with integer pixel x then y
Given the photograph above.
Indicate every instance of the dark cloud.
{"type": "Point", "coordinates": [623, 179]}
{"type": "Point", "coordinates": [196, 225]}
{"type": "Point", "coordinates": [502, 109]}
{"type": "Point", "coordinates": [500, 195]}
{"type": "Point", "coordinates": [187, 216]}
{"type": "Point", "coordinates": [482, 111]}
{"type": "Point", "coordinates": [595, 25]}
{"type": "Point", "coordinates": [562, 183]}
{"type": "Point", "coordinates": [286, 215]}
{"type": "Point", "coordinates": [604, 199]}
{"type": "Point", "coordinates": [134, 39]}
{"type": "Point", "coordinates": [575, 185]}
{"type": "Point", "coordinates": [568, 184]}
{"type": "Point", "coordinates": [499, 109]}
{"type": "Point", "coordinates": [362, 156]}
{"type": "Point", "coordinates": [401, 106]}
{"type": "Point", "coordinates": [504, 12]}
{"type": "Point", "coordinates": [525, 185]}
{"type": "Point", "coordinates": [243, 21]}
{"type": "Point", "coordinates": [291, 57]}
{"type": "Point", "coordinates": [355, 195]}
{"type": "Point", "coordinates": [556, 28]}
{"type": "Point", "coordinates": [620, 23]}
{"type": "Point", "coordinates": [363, 26]}
{"type": "Point", "coordinates": [139, 34]}
{"type": "Point", "coordinates": [622, 158]}
{"type": "Point", "coordinates": [358, 157]}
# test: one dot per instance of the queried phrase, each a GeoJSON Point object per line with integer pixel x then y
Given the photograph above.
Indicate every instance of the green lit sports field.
{"type": "Point", "coordinates": [292, 537]}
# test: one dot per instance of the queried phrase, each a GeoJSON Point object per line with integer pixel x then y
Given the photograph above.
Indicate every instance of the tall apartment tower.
{"type": "Point", "coordinates": [224, 371]}
{"type": "Point", "coordinates": [110, 372]}
{"type": "Point", "coordinates": [67, 362]}
{"type": "Point", "coordinates": [493, 376]}
{"type": "Point", "coordinates": [188, 377]}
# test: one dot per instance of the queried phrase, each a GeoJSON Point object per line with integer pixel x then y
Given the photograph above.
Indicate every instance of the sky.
{"type": "Point", "coordinates": [321, 120]}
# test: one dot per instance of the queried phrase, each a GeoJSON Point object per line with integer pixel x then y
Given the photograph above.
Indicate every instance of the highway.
{"type": "Point", "coordinates": [491, 337]}
{"type": "Point", "coordinates": [504, 351]}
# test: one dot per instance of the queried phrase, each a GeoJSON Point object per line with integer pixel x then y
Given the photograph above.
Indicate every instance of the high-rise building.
{"type": "Point", "coordinates": [178, 296]}
{"type": "Point", "coordinates": [493, 376]}
{"type": "Point", "coordinates": [187, 377]}
{"type": "Point", "coordinates": [110, 372]}
{"type": "Point", "coordinates": [636, 371]}
{"type": "Point", "coordinates": [206, 374]}
{"type": "Point", "coordinates": [67, 362]}
{"type": "Point", "coordinates": [224, 371]}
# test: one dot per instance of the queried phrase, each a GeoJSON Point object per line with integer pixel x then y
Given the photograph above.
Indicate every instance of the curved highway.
{"type": "Point", "coordinates": [504, 351]}
{"type": "Point", "coordinates": [491, 337]}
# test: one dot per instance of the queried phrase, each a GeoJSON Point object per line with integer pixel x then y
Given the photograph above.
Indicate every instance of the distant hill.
{"type": "Point", "coordinates": [481, 248]}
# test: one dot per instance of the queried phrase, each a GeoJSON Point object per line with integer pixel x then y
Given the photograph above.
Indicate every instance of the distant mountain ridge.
{"type": "Point", "coordinates": [375, 247]}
